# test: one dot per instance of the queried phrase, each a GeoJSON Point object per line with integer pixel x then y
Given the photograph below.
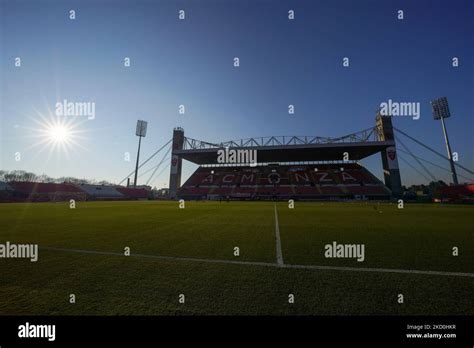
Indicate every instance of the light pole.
{"type": "Point", "coordinates": [440, 110]}
{"type": "Point", "coordinates": [140, 132]}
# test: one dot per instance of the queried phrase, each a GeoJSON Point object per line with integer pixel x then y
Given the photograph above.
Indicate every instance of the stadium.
{"type": "Point", "coordinates": [341, 222]}
{"type": "Point", "coordinates": [290, 167]}
{"type": "Point", "coordinates": [329, 177]}
{"type": "Point", "coordinates": [263, 235]}
{"type": "Point", "coordinates": [293, 167]}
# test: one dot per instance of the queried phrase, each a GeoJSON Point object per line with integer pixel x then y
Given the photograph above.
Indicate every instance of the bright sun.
{"type": "Point", "coordinates": [59, 133]}
{"type": "Point", "coordinates": [56, 134]}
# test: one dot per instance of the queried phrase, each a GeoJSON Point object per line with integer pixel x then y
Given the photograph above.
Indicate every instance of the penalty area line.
{"type": "Point", "coordinates": [264, 264]}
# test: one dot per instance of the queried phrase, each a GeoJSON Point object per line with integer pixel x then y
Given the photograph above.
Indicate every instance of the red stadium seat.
{"type": "Point", "coordinates": [326, 180]}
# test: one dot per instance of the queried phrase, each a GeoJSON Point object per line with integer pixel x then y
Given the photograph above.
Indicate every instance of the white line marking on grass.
{"type": "Point", "coordinates": [382, 270]}
{"type": "Point", "coordinates": [265, 264]}
{"type": "Point", "coordinates": [159, 257]}
{"type": "Point", "coordinates": [279, 253]}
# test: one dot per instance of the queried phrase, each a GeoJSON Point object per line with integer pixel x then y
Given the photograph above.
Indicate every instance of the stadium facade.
{"type": "Point", "coordinates": [289, 167]}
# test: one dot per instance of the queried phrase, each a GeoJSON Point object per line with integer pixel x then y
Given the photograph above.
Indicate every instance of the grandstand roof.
{"type": "Point", "coordinates": [292, 153]}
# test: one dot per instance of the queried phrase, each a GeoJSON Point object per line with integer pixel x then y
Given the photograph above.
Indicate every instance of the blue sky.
{"type": "Point", "coordinates": [190, 62]}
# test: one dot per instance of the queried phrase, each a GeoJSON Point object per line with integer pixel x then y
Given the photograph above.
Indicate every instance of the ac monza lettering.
{"type": "Point", "coordinates": [247, 178]}
{"type": "Point", "coordinates": [303, 176]}
{"type": "Point", "coordinates": [19, 251]}
{"type": "Point", "coordinates": [228, 178]}
{"type": "Point", "coordinates": [322, 176]}
{"type": "Point", "coordinates": [346, 176]}
{"type": "Point", "coordinates": [346, 251]}
{"type": "Point", "coordinates": [275, 178]}
{"type": "Point", "coordinates": [208, 179]}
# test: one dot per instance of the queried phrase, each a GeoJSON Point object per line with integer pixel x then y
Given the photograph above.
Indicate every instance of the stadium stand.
{"type": "Point", "coordinates": [24, 191]}
{"type": "Point", "coordinates": [133, 193]}
{"type": "Point", "coordinates": [101, 192]}
{"type": "Point", "coordinates": [455, 194]}
{"type": "Point", "coordinates": [347, 180]}
{"type": "Point", "coordinates": [44, 192]}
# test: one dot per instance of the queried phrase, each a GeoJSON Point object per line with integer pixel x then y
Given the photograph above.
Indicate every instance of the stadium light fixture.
{"type": "Point", "coordinates": [441, 111]}
{"type": "Point", "coordinates": [140, 133]}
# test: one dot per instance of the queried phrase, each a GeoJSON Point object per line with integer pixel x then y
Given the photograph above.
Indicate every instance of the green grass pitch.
{"type": "Point", "coordinates": [417, 237]}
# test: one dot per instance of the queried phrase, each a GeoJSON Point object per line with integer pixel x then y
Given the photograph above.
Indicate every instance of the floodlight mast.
{"type": "Point", "coordinates": [141, 133]}
{"type": "Point", "coordinates": [450, 156]}
{"type": "Point", "coordinates": [441, 111]}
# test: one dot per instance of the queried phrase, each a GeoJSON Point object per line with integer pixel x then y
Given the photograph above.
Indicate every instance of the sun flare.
{"type": "Point", "coordinates": [59, 133]}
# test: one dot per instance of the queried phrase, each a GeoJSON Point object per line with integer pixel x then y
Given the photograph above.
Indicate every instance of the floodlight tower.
{"type": "Point", "coordinates": [440, 110]}
{"type": "Point", "coordinates": [176, 162]}
{"type": "Point", "coordinates": [140, 133]}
